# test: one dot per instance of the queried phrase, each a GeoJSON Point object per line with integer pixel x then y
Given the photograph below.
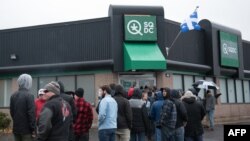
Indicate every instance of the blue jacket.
{"type": "Point", "coordinates": [155, 113]}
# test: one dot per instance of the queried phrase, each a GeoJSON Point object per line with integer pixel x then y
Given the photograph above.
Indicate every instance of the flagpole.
{"type": "Point", "coordinates": [167, 49]}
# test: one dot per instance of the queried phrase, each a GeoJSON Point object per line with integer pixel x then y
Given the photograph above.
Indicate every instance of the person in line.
{"type": "Point", "coordinates": [168, 116]}
{"type": "Point", "coordinates": [112, 87]}
{"type": "Point", "coordinates": [148, 104]}
{"type": "Point", "coordinates": [39, 102]}
{"type": "Point", "coordinates": [84, 117]}
{"type": "Point", "coordinates": [140, 121]}
{"type": "Point", "coordinates": [210, 107]}
{"type": "Point", "coordinates": [107, 117]}
{"type": "Point", "coordinates": [131, 90]}
{"type": "Point", "coordinates": [195, 111]}
{"type": "Point", "coordinates": [156, 113]}
{"type": "Point", "coordinates": [181, 115]}
{"type": "Point", "coordinates": [55, 117]}
{"type": "Point", "coordinates": [124, 119]}
{"type": "Point", "coordinates": [70, 100]}
{"type": "Point", "coordinates": [22, 110]}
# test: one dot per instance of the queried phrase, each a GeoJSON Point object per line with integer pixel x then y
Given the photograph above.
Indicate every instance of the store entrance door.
{"type": "Point", "coordinates": [140, 80]}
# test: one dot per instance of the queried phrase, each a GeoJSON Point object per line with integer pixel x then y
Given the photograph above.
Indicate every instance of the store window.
{"type": "Point", "coordinates": [177, 82]}
{"type": "Point", "coordinates": [5, 92]}
{"type": "Point", "coordinates": [45, 80]}
{"type": "Point", "coordinates": [188, 81]}
{"type": "Point", "coordinates": [223, 90]}
{"type": "Point", "coordinates": [34, 88]}
{"type": "Point", "coordinates": [68, 82]}
{"type": "Point", "coordinates": [231, 91]}
{"type": "Point", "coordinates": [246, 91]}
{"type": "Point", "coordinates": [239, 91]}
{"type": "Point", "coordinates": [87, 82]}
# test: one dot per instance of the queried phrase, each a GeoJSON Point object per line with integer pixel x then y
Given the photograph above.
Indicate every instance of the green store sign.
{"type": "Point", "coordinates": [140, 28]}
{"type": "Point", "coordinates": [229, 50]}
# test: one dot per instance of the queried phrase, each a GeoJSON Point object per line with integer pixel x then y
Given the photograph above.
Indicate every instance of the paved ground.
{"type": "Point", "coordinates": [216, 135]}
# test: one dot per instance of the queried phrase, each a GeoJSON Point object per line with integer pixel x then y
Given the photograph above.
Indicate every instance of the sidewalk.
{"type": "Point", "coordinates": [216, 135]}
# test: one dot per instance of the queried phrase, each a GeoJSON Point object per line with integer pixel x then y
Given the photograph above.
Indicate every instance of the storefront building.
{"type": "Point", "coordinates": [129, 46]}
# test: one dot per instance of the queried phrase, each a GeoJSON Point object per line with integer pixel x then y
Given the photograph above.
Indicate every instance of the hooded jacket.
{"type": "Point", "coordinates": [155, 112]}
{"type": "Point", "coordinates": [69, 99]}
{"type": "Point", "coordinates": [140, 122]}
{"type": "Point", "coordinates": [124, 117]}
{"type": "Point", "coordinates": [196, 113]}
{"type": "Point", "coordinates": [22, 107]}
{"type": "Point", "coordinates": [180, 108]}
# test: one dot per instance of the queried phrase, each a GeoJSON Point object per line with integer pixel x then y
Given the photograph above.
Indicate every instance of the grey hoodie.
{"type": "Point", "coordinates": [24, 81]}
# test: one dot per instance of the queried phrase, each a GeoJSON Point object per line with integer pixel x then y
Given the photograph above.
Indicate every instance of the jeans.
{"type": "Point", "coordinates": [20, 137]}
{"type": "Point", "coordinates": [106, 135]}
{"type": "Point", "coordinates": [179, 134]}
{"type": "Point", "coordinates": [210, 114]}
{"type": "Point", "coordinates": [122, 135]}
{"type": "Point", "coordinates": [157, 134]}
{"type": "Point", "coordinates": [196, 138]}
{"type": "Point", "coordinates": [83, 137]}
{"type": "Point", "coordinates": [167, 134]}
{"type": "Point", "coordinates": [138, 136]}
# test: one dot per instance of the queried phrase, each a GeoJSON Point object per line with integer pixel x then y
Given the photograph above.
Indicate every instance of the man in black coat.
{"type": "Point", "coordinates": [70, 100]}
{"type": "Point", "coordinates": [22, 110]}
{"type": "Point", "coordinates": [124, 116]}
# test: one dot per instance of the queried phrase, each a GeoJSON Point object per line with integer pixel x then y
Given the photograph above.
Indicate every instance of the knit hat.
{"type": "Point", "coordinates": [79, 92]}
{"type": "Point", "coordinates": [53, 87]}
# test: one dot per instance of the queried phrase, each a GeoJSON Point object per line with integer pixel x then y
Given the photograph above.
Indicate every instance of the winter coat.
{"type": "Point", "coordinates": [22, 111]}
{"type": "Point", "coordinates": [196, 113]}
{"type": "Point", "coordinates": [140, 122]}
{"type": "Point", "coordinates": [180, 108]}
{"type": "Point", "coordinates": [124, 117]}
{"type": "Point", "coordinates": [155, 112]}
{"type": "Point", "coordinates": [55, 120]}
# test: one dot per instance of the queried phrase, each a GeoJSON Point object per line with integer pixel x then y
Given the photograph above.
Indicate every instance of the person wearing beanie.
{"type": "Point", "coordinates": [79, 92]}
{"type": "Point", "coordinates": [195, 113]}
{"type": "Point", "coordinates": [39, 102]}
{"type": "Point", "coordinates": [70, 100]}
{"type": "Point", "coordinates": [84, 117]}
{"type": "Point", "coordinates": [56, 116]}
{"type": "Point", "coordinates": [22, 109]}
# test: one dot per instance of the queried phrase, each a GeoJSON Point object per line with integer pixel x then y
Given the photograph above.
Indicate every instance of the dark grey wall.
{"type": "Point", "coordinates": [189, 47]}
{"type": "Point", "coordinates": [246, 54]}
{"type": "Point", "coordinates": [80, 41]}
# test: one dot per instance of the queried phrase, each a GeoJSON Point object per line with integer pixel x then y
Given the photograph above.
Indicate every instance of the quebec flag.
{"type": "Point", "coordinates": [191, 23]}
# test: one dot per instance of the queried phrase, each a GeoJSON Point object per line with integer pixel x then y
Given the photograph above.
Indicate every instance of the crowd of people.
{"type": "Point", "coordinates": [138, 114]}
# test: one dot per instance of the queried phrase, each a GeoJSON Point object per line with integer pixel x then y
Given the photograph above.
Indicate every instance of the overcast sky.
{"type": "Point", "coordinates": [21, 13]}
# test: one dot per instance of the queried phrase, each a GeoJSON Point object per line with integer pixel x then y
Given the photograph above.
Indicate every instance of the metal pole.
{"type": "Point", "coordinates": [167, 49]}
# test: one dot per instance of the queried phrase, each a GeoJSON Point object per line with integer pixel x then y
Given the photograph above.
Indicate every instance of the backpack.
{"type": "Point", "coordinates": [168, 114]}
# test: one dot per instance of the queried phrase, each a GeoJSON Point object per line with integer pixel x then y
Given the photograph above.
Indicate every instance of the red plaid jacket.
{"type": "Point", "coordinates": [84, 117]}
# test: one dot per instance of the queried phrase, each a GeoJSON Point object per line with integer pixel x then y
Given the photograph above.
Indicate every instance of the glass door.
{"type": "Point", "coordinates": [139, 80]}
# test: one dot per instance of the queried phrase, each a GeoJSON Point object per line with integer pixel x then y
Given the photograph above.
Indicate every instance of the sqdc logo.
{"type": "Point", "coordinates": [134, 27]}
